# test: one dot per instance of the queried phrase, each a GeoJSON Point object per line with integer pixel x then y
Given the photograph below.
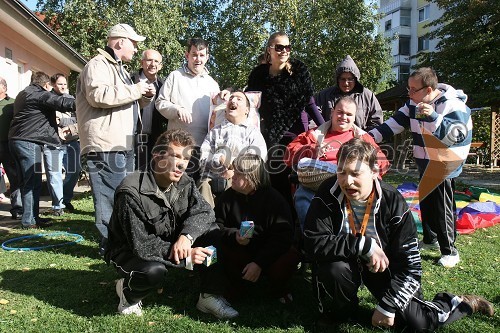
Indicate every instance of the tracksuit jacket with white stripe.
{"type": "Point", "coordinates": [450, 123]}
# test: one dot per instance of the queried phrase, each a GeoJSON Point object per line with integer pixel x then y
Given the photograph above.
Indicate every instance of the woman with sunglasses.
{"type": "Point", "coordinates": [287, 91]}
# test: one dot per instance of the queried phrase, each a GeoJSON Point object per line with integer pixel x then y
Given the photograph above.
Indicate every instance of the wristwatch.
{"type": "Point", "coordinates": [188, 236]}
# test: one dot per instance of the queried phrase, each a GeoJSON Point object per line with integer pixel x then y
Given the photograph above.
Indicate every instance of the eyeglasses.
{"type": "Point", "coordinates": [412, 91]}
{"type": "Point", "coordinates": [348, 80]}
{"type": "Point", "coordinates": [281, 47]}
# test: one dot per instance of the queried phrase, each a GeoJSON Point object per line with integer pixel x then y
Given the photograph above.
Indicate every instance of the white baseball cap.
{"type": "Point", "coordinates": [126, 31]}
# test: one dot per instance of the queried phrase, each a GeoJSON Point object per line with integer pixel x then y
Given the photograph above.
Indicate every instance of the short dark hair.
{"type": "Point", "coordinates": [198, 42]}
{"type": "Point", "coordinates": [53, 78]}
{"type": "Point", "coordinates": [176, 136]}
{"type": "Point", "coordinates": [39, 78]}
{"type": "Point", "coordinates": [427, 75]}
{"type": "Point", "coordinates": [348, 99]}
{"type": "Point", "coordinates": [358, 150]}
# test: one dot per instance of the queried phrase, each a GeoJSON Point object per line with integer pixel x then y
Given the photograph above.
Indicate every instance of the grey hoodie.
{"type": "Point", "coordinates": [368, 113]}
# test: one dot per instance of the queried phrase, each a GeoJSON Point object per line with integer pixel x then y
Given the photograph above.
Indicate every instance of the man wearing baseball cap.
{"type": "Point", "coordinates": [108, 103]}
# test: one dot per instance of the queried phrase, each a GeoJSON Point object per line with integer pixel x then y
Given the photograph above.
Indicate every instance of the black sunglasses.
{"type": "Point", "coordinates": [281, 48]}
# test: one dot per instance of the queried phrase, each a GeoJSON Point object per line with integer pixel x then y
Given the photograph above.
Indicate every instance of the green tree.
{"type": "Point", "coordinates": [322, 32]}
{"type": "Point", "coordinates": [467, 55]}
{"type": "Point", "coordinates": [84, 25]}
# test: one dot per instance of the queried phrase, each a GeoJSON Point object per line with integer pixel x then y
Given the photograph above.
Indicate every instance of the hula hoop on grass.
{"type": "Point", "coordinates": [78, 239]}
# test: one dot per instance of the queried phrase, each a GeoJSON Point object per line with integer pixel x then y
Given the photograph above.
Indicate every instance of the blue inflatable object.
{"type": "Point", "coordinates": [78, 238]}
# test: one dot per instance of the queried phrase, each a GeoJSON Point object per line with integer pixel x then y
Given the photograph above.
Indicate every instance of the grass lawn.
{"type": "Point", "coordinates": [70, 289]}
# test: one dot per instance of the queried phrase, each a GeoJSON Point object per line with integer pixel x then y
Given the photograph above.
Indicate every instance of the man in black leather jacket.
{"type": "Point", "coordinates": [160, 220]}
{"type": "Point", "coordinates": [33, 127]}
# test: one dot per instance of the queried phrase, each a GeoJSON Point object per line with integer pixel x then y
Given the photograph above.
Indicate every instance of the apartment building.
{"type": "Point", "coordinates": [403, 21]}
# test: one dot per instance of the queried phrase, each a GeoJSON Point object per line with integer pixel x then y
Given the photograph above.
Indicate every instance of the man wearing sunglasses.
{"type": "Point", "coordinates": [368, 113]}
{"type": "Point", "coordinates": [442, 132]}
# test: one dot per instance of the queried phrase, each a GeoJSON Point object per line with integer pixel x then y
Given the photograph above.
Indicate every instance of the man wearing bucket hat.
{"type": "Point", "coordinates": [107, 108]}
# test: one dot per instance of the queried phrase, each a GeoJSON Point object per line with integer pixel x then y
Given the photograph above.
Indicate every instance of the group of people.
{"type": "Point", "coordinates": [193, 187]}
{"type": "Point", "coordinates": [39, 127]}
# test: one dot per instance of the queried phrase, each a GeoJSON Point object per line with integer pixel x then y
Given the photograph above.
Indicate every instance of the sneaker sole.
{"type": "Point", "coordinates": [205, 310]}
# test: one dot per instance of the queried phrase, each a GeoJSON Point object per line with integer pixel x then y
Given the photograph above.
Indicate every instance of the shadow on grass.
{"type": "Point", "coordinates": [81, 292]}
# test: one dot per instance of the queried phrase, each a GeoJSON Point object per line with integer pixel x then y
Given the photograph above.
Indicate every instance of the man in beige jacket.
{"type": "Point", "coordinates": [108, 106]}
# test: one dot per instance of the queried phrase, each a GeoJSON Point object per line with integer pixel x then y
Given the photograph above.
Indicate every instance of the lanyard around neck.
{"type": "Point", "coordinates": [350, 214]}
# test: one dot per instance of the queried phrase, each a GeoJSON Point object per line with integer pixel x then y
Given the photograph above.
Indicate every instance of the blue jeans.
{"type": "Point", "coordinates": [302, 200]}
{"type": "Point", "coordinates": [28, 157]}
{"type": "Point", "coordinates": [106, 171]}
{"type": "Point", "coordinates": [53, 157]}
{"type": "Point", "coordinates": [71, 164]}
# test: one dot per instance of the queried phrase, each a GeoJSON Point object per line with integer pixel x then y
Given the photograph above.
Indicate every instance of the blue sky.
{"type": "Point", "coordinates": [31, 4]}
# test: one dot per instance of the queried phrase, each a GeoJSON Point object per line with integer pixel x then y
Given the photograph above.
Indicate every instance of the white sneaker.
{"type": "Point", "coordinates": [450, 260]}
{"type": "Point", "coordinates": [124, 307]}
{"type": "Point", "coordinates": [216, 305]}
{"type": "Point", "coordinates": [428, 246]}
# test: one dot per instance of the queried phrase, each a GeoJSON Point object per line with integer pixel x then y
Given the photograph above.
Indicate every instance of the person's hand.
{"type": "Point", "coordinates": [381, 320]}
{"type": "Point", "coordinates": [378, 261]}
{"type": "Point", "coordinates": [225, 94]}
{"type": "Point", "coordinates": [227, 174]}
{"type": "Point", "coordinates": [251, 272]}
{"type": "Point", "coordinates": [184, 115]}
{"type": "Point", "coordinates": [424, 109]}
{"type": "Point", "coordinates": [198, 254]}
{"type": "Point", "coordinates": [181, 249]}
{"type": "Point", "coordinates": [151, 90]}
{"type": "Point", "coordinates": [143, 87]}
{"type": "Point", "coordinates": [241, 240]}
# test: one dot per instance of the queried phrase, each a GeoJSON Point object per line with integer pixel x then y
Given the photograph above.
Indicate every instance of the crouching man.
{"type": "Point", "coordinates": [360, 230]}
{"type": "Point", "coordinates": [161, 221]}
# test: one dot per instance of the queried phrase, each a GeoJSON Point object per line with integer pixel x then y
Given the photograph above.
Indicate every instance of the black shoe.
{"type": "Point", "coordinates": [69, 207]}
{"type": "Point", "coordinates": [31, 226]}
{"type": "Point", "coordinates": [17, 215]}
{"type": "Point", "coordinates": [43, 222]}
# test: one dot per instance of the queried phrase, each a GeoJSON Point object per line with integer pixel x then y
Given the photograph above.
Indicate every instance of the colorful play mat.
{"type": "Point", "coordinates": [476, 207]}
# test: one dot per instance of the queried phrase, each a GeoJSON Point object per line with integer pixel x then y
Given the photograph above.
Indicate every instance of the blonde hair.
{"type": "Point", "coordinates": [267, 54]}
{"type": "Point", "coordinates": [254, 169]}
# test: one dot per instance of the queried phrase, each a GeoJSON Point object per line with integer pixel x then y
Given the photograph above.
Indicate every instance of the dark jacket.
{"type": "Point", "coordinates": [158, 122]}
{"type": "Point", "coordinates": [145, 225]}
{"type": "Point", "coordinates": [272, 218]}
{"type": "Point", "coordinates": [6, 114]}
{"type": "Point", "coordinates": [34, 115]}
{"type": "Point", "coordinates": [326, 239]}
{"type": "Point", "coordinates": [284, 98]}
{"type": "Point", "coordinates": [368, 114]}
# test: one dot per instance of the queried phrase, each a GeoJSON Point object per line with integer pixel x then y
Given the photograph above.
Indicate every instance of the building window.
{"type": "Point", "coordinates": [405, 17]}
{"type": "Point", "coordinates": [8, 53]}
{"type": "Point", "coordinates": [423, 43]}
{"type": "Point", "coordinates": [388, 25]}
{"type": "Point", "coordinates": [423, 13]}
{"type": "Point", "coordinates": [404, 45]}
{"type": "Point", "coordinates": [404, 73]}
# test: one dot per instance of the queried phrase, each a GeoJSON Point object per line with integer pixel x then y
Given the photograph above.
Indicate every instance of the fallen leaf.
{"type": "Point", "coordinates": [34, 319]}
{"type": "Point", "coordinates": [177, 316]}
{"type": "Point", "coordinates": [151, 323]}
{"type": "Point", "coordinates": [160, 291]}
{"type": "Point", "coordinates": [13, 311]}
{"type": "Point", "coordinates": [3, 301]}
{"type": "Point", "coordinates": [25, 269]}
{"type": "Point", "coordinates": [52, 265]}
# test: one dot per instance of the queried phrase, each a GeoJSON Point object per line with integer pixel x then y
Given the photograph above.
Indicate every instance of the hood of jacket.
{"type": "Point", "coordinates": [448, 93]}
{"type": "Point", "coordinates": [347, 65]}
